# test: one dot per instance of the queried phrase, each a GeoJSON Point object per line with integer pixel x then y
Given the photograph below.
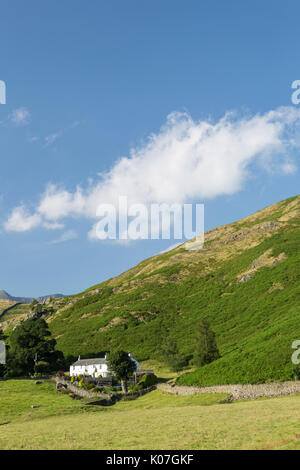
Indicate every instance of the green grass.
{"type": "Point", "coordinates": [17, 396]}
{"type": "Point", "coordinates": [154, 421]}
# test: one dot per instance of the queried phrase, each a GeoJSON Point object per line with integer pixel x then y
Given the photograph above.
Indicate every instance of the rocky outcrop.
{"type": "Point", "coordinates": [265, 260]}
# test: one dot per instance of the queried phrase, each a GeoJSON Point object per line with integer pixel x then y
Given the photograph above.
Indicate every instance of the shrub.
{"type": "Point", "coordinates": [146, 381]}
{"type": "Point", "coordinates": [88, 386]}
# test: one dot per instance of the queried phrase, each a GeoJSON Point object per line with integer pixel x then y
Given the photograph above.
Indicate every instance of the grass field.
{"type": "Point", "coordinates": [154, 421]}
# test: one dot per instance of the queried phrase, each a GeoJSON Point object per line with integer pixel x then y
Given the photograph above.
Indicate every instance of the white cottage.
{"type": "Point", "coordinates": [94, 367]}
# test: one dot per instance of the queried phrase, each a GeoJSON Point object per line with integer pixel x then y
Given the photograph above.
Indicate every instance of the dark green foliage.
{"type": "Point", "coordinates": [206, 350]}
{"type": "Point", "coordinates": [146, 381]}
{"type": "Point", "coordinates": [297, 372]}
{"type": "Point", "coordinates": [42, 368]}
{"type": "Point", "coordinates": [120, 363]}
{"type": "Point", "coordinates": [30, 344]}
{"type": "Point", "coordinates": [2, 366]}
{"type": "Point", "coordinates": [171, 356]}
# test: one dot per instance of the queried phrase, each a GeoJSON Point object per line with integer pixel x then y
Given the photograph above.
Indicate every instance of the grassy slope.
{"type": "Point", "coordinates": [154, 421]}
{"type": "Point", "coordinates": [4, 304]}
{"type": "Point", "coordinates": [255, 321]}
{"type": "Point", "coordinates": [13, 315]}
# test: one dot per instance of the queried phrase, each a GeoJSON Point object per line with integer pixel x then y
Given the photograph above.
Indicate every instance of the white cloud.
{"type": "Point", "coordinates": [289, 168]}
{"type": "Point", "coordinates": [51, 138]}
{"type": "Point", "coordinates": [20, 116]}
{"type": "Point", "coordinates": [33, 139]}
{"type": "Point", "coordinates": [66, 236]}
{"type": "Point", "coordinates": [186, 160]}
{"type": "Point", "coordinates": [21, 221]}
{"type": "Point", "coordinates": [53, 225]}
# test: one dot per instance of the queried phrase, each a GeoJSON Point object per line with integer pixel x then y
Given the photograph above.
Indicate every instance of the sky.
{"type": "Point", "coordinates": [160, 101]}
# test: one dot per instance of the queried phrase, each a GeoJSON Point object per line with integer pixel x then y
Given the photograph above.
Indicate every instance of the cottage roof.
{"type": "Point", "coordinates": [89, 362]}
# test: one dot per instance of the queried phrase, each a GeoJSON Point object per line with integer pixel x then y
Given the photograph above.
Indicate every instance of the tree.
{"type": "Point", "coordinates": [171, 355]}
{"type": "Point", "coordinates": [29, 344]}
{"type": "Point", "coordinates": [206, 350]}
{"type": "Point", "coordinates": [120, 363]}
{"type": "Point", "coordinates": [2, 340]}
{"type": "Point", "coordinates": [42, 367]}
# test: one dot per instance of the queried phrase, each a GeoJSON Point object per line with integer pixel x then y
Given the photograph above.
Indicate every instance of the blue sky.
{"type": "Point", "coordinates": [89, 82]}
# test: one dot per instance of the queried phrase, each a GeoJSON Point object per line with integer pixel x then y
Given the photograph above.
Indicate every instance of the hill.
{"type": "Point", "coordinates": [27, 300]}
{"type": "Point", "coordinates": [245, 281]}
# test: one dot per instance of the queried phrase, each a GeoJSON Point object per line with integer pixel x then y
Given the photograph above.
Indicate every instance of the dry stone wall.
{"type": "Point", "coordinates": [238, 391]}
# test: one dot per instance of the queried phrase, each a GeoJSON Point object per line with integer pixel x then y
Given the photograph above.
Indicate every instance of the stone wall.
{"type": "Point", "coordinates": [238, 391]}
{"type": "Point", "coordinates": [81, 392]}
{"type": "Point", "coordinates": [100, 397]}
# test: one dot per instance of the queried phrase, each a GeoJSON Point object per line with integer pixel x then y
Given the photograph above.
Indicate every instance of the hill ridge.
{"type": "Point", "coordinates": [27, 300]}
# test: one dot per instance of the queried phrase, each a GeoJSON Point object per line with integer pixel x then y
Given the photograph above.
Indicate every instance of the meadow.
{"type": "Point", "coordinates": [153, 421]}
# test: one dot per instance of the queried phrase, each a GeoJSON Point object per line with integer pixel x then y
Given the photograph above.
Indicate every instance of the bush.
{"type": "Point", "coordinates": [88, 386]}
{"type": "Point", "coordinates": [146, 381]}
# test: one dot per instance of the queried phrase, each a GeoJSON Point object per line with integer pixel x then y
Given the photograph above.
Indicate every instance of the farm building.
{"type": "Point", "coordinates": [96, 367]}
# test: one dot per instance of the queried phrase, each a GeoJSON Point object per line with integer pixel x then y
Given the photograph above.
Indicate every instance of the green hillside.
{"type": "Point", "coordinates": [11, 313]}
{"type": "Point", "coordinates": [245, 281]}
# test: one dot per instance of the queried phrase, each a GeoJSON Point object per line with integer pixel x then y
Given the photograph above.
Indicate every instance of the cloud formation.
{"type": "Point", "coordinates": [186, 160]}
{"type": "Point", "coordinates": [20, 116]}
{"type": "Point", "coordinates": [66, 236]}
